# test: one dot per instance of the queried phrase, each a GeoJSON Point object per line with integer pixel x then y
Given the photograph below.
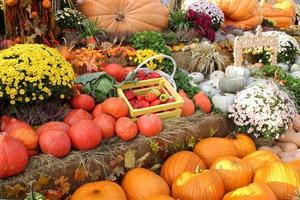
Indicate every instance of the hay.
{"type": "Point", "coordinates": [107, 161]}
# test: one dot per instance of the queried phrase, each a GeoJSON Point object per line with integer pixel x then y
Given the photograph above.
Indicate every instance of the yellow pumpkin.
{"type": "Point", "coordinates": [282, 178]}
{"type": "Point", "coordinates": [244, 14]}
{"type": "Point", "coordinates": [282, 12]}
{"type": "Point", "coordinates": [127, 16]}
{"type": "Point", "coordinates": [254, 191]}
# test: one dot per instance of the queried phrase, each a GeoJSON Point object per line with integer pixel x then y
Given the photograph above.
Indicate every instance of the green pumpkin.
{"type": "Point", "coordinates": [232, 85]}
{"type": "Point", "coordinates": [36, 196]}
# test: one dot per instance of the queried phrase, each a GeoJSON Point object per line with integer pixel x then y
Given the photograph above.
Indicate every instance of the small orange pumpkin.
{"type": "Point", "coordinates": [150, 125]}
{"type": "Point", "coordinates": [107, 125]}
{"type": "Point", "coordinates": [178, 163]}
{"type": "Point", "coordinates": [75, 116]}
{"type": "Point", "coordinates": [97, 111]}
{"type": "Point", "coordinates": [203, 102]}
{"type": "Point", "coordinates": [27, 136]}
{"type": "Point", "coordinates": [54, 126]}
{"type": "Point", "coordinates": [116, 107]}
{"type": "Point", "coordinates": [243, 144]}
{"type": "Point", "coordinates": [188, 107]}
{"type": "Point", "coordinates": [11, 3]}
{"type": "Point", "coordinates": [126, 129]}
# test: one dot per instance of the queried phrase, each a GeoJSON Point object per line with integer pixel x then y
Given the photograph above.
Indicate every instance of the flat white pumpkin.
{"type": "Point", "coordinates": [295, 68]}
{"type": "Point", "coordinates": [217, 75]}
{"type": "Point", "coordinates": [209, 89]}
{"type": "Point", "coordinates": [232, 85]}
{"type": "Point", "coordinates": [197, 77]}
{"type": "Point", "coordinates": [236, 71]}
{"type": "Point", "coordinates": [223, 101]}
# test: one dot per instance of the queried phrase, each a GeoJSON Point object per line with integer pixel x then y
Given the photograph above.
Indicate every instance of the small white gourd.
{"type": "Point", "coordinates": [223, 101]}
{"type": "Point", "coordinates": [217, 75]}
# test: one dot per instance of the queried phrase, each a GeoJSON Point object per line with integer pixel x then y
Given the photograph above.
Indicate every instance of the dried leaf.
{"type": "Point", "coordinates": [129, 161]}
{"type": "Point", "coordinates": [63, 184]}
{"type": "Point", "coordinates": [94, 176]}
{"type": "Point", "coordinates": [117, 172]}
{"type": "Point", "coordinates": [155, 167]}
{"type": "Point", "coordinates": [42, 181]}
{"type": "Point", "coordinates": [53, 194]}
{"type": "Point", "coordinates": [80, 174]}
{"type": "Point", "coordinates": [14, 191]}
{"type": "Point", "coordinates": [139, 162]}
{"type": "Point", "coordinates": [213, 131]}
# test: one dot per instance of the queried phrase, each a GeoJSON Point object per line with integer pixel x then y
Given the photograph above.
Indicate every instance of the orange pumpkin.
{"type": "Point", "coordinates": [234, 172]}
{"type": "Point", "coordinates": [9, 124]}
{"type": "Point", "coordinates": [197, 186]}
{"type": "Point", "coordinates": [27, 136]}
{"type": "Point", "coordinates": [203, 102]}
{"type": "Point", "coordinates": [46, 4]}
{"type": "Point", "coordinates": [107, 125]}
{"type": "Point", "coordinates": [55, 126]}
{"type": "Point", "coordinates": [260, 158]}
{"type": "Point", "coordinates": [140, 183]}
{"type": "Point", "coordinates": [243, 144]}
{"type": "Point", "coordinates": [104, 190]}
{"type": "Point", "coordinates": [126, 129]}
{"type": "Point", "coordinates": [210, 149]}
{"type": "Point", "coordinates": [296, 163]}
{"type": "Point", "coordinates": [83, 101]}
{"type": "Point", "coordinates": [244, 14]}
{"type": "Point", "coordinates": [116, 71]}
{"type": "Point", "coordinates": [126, 15]}
{"type": "Point", "coordinates": [116, 107]}
{"type": "Point", "coordinates": [188, 107]}
{"type": "Point", "coordinates": [178, 163]}
{"type": "Point", "coordinates": [282, 178]}
{"type": "Point", "coordinates": [282, 12]}
{"type": "Point", "coordinates": [11, 3]}
{"type": "Point", "coordinates": [97, 111]}
{"type": "Point", "coordinates": [75, 116]}
{"type": "Point", "coordinates": [150, 125]}
{"type": "Point", "coordinates": [160, 197]}
{"type": "Point", "coordinates": [254, 191]}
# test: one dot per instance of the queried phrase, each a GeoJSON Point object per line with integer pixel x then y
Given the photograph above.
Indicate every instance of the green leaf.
{"type": "Point", "coordinates": [86, 89]}
{"type": "Point", "coordinates": [129, 161]}
{"type": "Point", "coordinates": [84, 79]}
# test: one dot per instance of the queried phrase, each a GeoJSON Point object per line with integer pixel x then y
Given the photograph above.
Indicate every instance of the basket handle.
{"type": "Point", "coordinates": [159, 56]}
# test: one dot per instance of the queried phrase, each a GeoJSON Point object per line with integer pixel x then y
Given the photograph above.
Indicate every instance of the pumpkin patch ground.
{"type": "Point", "coordinates": [150, 100]}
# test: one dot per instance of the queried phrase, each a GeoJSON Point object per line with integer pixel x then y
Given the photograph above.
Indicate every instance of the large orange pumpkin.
{"type": "Point", "coordinates": [55, 126]}
{"type": "Point", "coordinates": [282, 178]}
{"type": "Point", "coordinates": [9, 124]}
{"type": "Point", "coordinates": [243, 144]}
{"type": "Point", "coordinates": [296, 163]}
{"type": "Point", "coordinates": [83, 101]}
{"type": "Point", "coordinates": [260, 158]}
{"type": "Point", "coordinates": [140, 183]}
{"type": "Point", "coordinates": [75, 116]}
{"type": "Point", "coordinates": [244, 14]}
{"type": "Point", "coordinates": [13, 156]}
{"type": "Point", "coordinates": [210, 149]}
{"type": "Point", "coordinates": [198, 186]}
{"type": "Point", "coordinates": [107, 125]}
{"type": "Point", "coordinates": [178, 163]}
{"type": "Point", "coordinates": [116, 107]}
{"type": "Point", "coordinates": [150, 125]}
{"type": "Point", "coordinates": [159, 197]}
{"type": "Point", "coordinates": [254, 191]}
{"type": "Point", "coordinates": [27, 136]}
{"type": "Point", "coordinates": [234, 172]}
{"type": "Point", "coordinates": [104, 190]}
{"type": "Point", "coordinates": [282, 12]}
{"type": "Point", "coordinates": [122, 16]}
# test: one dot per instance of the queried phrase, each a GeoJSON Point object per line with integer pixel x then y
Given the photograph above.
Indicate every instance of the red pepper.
{"type": "Point", "coordinates": [150, 97]}
{"type": "Point", "coordinates": [155, 103]}
{"type": "Point", "coordinates": [143, 104]}
{"type": "Point", "coordinates": [139, 98]}
{"type": "Point", "coordinates": [129, 95]}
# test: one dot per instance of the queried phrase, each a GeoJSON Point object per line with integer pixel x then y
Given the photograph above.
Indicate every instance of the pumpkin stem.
{"type": "Point", "coordinates": [198, 169]}
{"type": "Point", "coordinates": [232, 135]}
{"type": "Point", "coordinates": [120, 16]}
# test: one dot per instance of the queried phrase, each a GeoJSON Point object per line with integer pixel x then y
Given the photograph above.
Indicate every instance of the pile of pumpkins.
{"type": "Point", "coordinates": [234, 170]}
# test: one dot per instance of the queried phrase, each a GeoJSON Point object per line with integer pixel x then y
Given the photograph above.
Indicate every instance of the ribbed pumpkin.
{"type": "Point", "coordinates": [244, 14]}
{"type": "Point", "coordinates": [254, 191]}
{"type": "Point", "coordinates": [75, 116]}
{"type": "Point", "coordinates": [97, 111]}
{"type": "Point", "coordinates": [55, 126]}
{"type": "Point", "coordinates": [104, 190]}
{"type": "Point", "coordinates": [210, 149]}
{"type": "Point", "coordinates": [107, 125]}
{"type": "Point", "coordinates": [282, 178]}
{"type": "Point", "coordinates": [150, 125]}
{"type": "Point", "coordinates": [296, 163]}
{"type": "Point", "coordinates": [116, 107]}
{"type": "Point", "coordinates": [123, 16]}
{"type": "Point", "coordinates": [159, 197]}
{"type": "Point", "coordinates": [198, 186]}
{"type": "Point", "coordinates": [234, 172]}
{"type": "Point", "coordinates": [27, 136]}
{"type": "Point", "coordinates": [260, 158]}
{"type": "Point", "coordinates": [178, 163]}
{"type": "Point", "coordinates": [283, 12]}
{"type": "Point", "coordinates": [126, 129]}
{"type": "Point", "coordinates": [140, 183]}
{"type": "Point", "coordinates": [243, 144]}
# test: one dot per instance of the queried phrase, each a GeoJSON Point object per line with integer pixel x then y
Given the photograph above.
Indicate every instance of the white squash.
{"type": "Point", "coordinates": [290, 136]}
{"type": "Point", "coordinates": [237, 71]}
{"type": "Point", "coordinates": [285, 154]}
{"type": "Point", "coordinates": [284, 66]}
{"type": "Point", "coordinates": [232, 85]}
{"type": "Point", "coordinates": [209, 89]}
{"type": "Point", "coordinates": [286, 146]}
{"type": "Point", "coordinates": [296, 74]}
{"type": "Point", "coordinates": [295, 68]}
{"type": "Point", "coordinates": [197, 77]}
{"type": "Point", "coordinates": [223, 101]}
{"type": "Point", "coordinates": [288, 159]}
{"type": "Point", "coordinates": [276, 149]}
{"type": "Point", "coordinates": [266, 148]}
{"type": "Point", "coordinates": [217, 75]}
{"type": "Point", "coordinates": [297, 61]}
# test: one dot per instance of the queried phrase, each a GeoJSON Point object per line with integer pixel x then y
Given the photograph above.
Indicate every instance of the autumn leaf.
{"type": "Point", "coordinates": [63, 184]}
{"type": "Point", "coordinates": [80, 174]}
{"type": "Point", "coordinates": [42, 181]}
{"type": "Point", "coordinates": [129, 161]}
{"type": "Point", "coordinates": [14, 191]}
{"type": "Point", "coordinates": [139, 162]}
{"type": "Point", "coordinates": [212, 131]}
{"type": "Point", "coordinates": [191, 142]}
{"type": "Point", "coordinates": [53, 194]}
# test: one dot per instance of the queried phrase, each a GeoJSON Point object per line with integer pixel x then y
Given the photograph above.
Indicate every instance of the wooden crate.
{"type": "Point", "coordinates": [167, 110]}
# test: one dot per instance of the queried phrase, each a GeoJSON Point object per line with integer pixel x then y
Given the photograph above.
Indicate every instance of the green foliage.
{"type": "Point", "coordinates": [183, 82]}
{"type": "Point", "coordinates": [268, 23]}
{"type": "Point", "coordinates": [35, 196]}
{"type": "Point", "coordinates": [288, 56]}
{"type": "Point", "coordinates": [89, 29]}
{"type": "Point", "coordinates": [178, 20]}
{"type": "Point", "coordinates": [171, 38]}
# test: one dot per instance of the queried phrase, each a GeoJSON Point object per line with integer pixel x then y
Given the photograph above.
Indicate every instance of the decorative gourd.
{"type": "Point", "coordinates": [203, 102]}
{"type": "Point", "coordinates": [295, 67]}
{"type": "Point", "coordinates": [282, 178]}
{"type": "Point", "coordinates": [127, 16]}
{"type": "Point", "coordinates": [234, 172]}
{"type": "Point", "coordinates": [223, 101]}
{"type": "Point", "coordinates": [254, 191]}
{"type": "Point", "coordinates": [282, 12]}
{"type": "Point", "coordinates": [150, 125]}
{"type": "Point", "coordinates": [83, 101]}
{"type": "Point", "coordinates": [116, 107]}
{"type": "Point", "coordinates": [56, 143]}
{"type": "Point", "coordinates": [46, 4]}
{"type": "Point", "coordinates": [244, 14]}
{"type": "Point", "coordinates": [107, 125]}
{"type": "Point", "coordinates": [97, 111]}
{"type": "Point", "coordinates": [295, 75]}
{"type": "Point", "coordinates": [160, 197]}
{"type": "Point", "coordinates": [217, 75]}
{"type": "Point", "coordinates": [197, 186]}
{"type": "Point", "coordinates": [151, 184]}
{"type": "Point", "coordinates": [207, 151]}
{"type": "Point", "coordinates": [258, 159]}
{"type": "Point", "coordinates": [209, 89]}
{"type": "Point", "coordinates": [243, 144]}
{"type": "Point", "coordinates": [296, 122]}
{"type": "Point", "coordinates": [197, 77]}
{"type": "Point", "coordinates": [27, 136]}
{"type": "Point", "coordinates": [104, 190]}
{"type": "Point", "coordinates": [284, 66]}
{"type": "Point", "coordinates": [126, 129]}
{"type": "Point", "coordinates": [178, 163]}
{"type": "Point", "coordinates": [11, 3]}
{"type": "Point", "coordinates": [188, 107]}
{"type": "Point", "coordinates": [290, 135]}
{"type": "Point", "coordinates": [232, 85]}
{"type": "Point", "coordinates": [237, 71]}
{"type": "Point", "coordinates": [13, 156]}
{"type": "Point", "coordinates": [85, 135]}
{"type": "Point", "coordinates": [116, 71]}
{"type": "Point", "coordinates": [55, 126]}
{"type": "Point", "coordinates": [75, 116]}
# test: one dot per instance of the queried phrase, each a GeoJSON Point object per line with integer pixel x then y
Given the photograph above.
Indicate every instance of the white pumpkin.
{"type": "Point", "coordinates": [208, 89]}
{"type": "Point", "coordinates": [295, 67]}
{"type": "Point", "coordinates": [284, 66]}
{"type": "Point", "coordinates": [296, 74]}
{"type": "Point", "coordinates": [217, 75]}
{"type": "Point", "coordinates": [214, 83]}
{"type": "Point", "coordinates": [197, 77]}
{"type": "Point", "coordinates": [223, 101]}
{"type": "Point", "coordinates": [232, 85]}
{"type": "Point", "coordinates": [297, 61]}
{"type": "Point", "coordinates": [237, 71]}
